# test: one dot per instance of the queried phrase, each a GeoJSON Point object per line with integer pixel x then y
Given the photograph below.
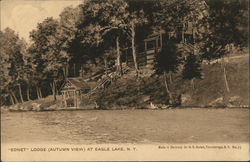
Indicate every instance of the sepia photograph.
{"type": "Point", "coordinates": [124, 80]}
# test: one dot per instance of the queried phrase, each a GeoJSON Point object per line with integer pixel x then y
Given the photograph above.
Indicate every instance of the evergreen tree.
{"type": "Point", "coordinates": [192, 69]}
{"type": "Point", "coordinates": [167, 62]}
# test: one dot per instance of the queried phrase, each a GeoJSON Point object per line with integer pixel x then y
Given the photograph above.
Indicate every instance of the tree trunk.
{"type": "Point", "coordinates": [167, 88]}
{"type": "Point", "coordinates": [74, 70]}
{"type": "Point", "coordinates": [225, 75]}
{"type": "Point", "coordinates": [54, 85]}
{"type": "Point", "coordinates": [126, 56]}
{"type": "Point", "coordinates": [106, 66]}
{"type": "Point", "coordinates": [11, 99]}
{"type": "Point", "coordinates": [226, 93]}
{"type": "Point", "coordinates": [119, 65]}
{"type": "Point", "coordinates": [14, 96]}
{"type": "Point", "coordinates": [182, 33]}
{"type": "Point", "coordinates": [37, 93]}
{"type": "Point", "coordinates": [133, 48]}
{"type": "Point", "coordinates": [192, 84]}
{"type": "Point", "coordinates": [20, 92]}
{"type": "Point", "coordinates": [66, 70]}
{"type": "Point", "coordinates": [81, 71]}
{"type": "Point", "coordinates": [28, 93]}
{"type": "Point", "coordinates": [40, 92]}
{"type": "Point", "coordinates": [170, 77]}
{"type": "Point", "coordinates": [52, 88]}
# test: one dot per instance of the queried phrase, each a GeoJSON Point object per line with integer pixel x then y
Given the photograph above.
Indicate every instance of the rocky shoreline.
{"type": "Point", "coordinates": [39, 107]}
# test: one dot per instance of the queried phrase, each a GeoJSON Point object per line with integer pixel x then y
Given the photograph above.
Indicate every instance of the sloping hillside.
{"type": "Point", "coordinates": [208, 92]}
{"type": "Point", "coordinates": [212, 87]}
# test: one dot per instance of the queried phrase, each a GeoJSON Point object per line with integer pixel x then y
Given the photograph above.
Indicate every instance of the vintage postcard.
{"type": "Point", "coordinates": [124, 80]}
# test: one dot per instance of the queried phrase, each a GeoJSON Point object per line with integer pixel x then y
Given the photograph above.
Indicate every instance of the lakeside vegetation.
{"type": "Point", "coordinates": [94, 34]}
{"type": "Point", "coordinates": [151, 90]}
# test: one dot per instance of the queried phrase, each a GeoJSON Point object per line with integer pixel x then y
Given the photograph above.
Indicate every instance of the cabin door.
{"type": "Point", "coordinates": [70, 99]}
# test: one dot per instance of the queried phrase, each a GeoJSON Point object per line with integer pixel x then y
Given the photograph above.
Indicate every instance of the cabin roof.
{"type": "Point", "coordinates": [78, 83]}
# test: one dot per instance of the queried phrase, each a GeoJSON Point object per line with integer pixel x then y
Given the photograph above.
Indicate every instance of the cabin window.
{"type": "Point", "coordinates": [151, 44]}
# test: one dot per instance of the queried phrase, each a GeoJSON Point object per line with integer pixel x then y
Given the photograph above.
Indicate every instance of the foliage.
{"type": "Point", "coordinates": [226, 24]}
{"type": "Point", "coordinates": [168, 59]}
{"type": "Point", "coordinates": [11, 62]}
{"type": "Point", "coordinates": [47, 48]}
{"type": "Point", "coordinates": [171, 14]}
{"type": "Point", "coordinates": [94, 33]}
{"type": "Point", "coordinates": [68, 34]}
{"type": "Point", "coordinates": [99, 18]}
{"type": "Point", "coordinates": [192, 68]}
{"type": "Point", "coordinates": [49, 56]}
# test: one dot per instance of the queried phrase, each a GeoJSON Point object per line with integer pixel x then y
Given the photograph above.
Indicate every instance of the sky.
{"type": "Point", "coordinates": [23, 15]}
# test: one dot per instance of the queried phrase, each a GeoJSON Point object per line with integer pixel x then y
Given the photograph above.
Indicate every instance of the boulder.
{"type": "Point", "coordinates": [14, 108]}
{"type": "Point", "coordinates": [235, 101]}
{"type": "Point", "coordinates": [163, 106]}
{"type": "Point", "coordinates": [185, 99]}
{"type": "Point", "coordinates": [4, 108]}
{"type": "Point", "coordinates": [145, 98]}
{"type": "Point", "coordinates": [219, 102]}
{"type": "Point", "coordinates": [36, 106]}
{"type": "Point", "coordinates": [52, 107]}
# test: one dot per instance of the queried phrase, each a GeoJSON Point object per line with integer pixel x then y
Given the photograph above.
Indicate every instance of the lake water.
{"type": "Point", "coordinates": [126, 126]}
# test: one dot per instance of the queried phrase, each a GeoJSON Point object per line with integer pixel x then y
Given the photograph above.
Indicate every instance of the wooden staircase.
{"type": "Point", "coordinates": [188, 47]}
{"type": "Point", "coordinates": [107, 80]}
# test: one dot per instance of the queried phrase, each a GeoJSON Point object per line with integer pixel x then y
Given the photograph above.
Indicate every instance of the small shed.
{"type": "Point", "coordinates": [73, 90]}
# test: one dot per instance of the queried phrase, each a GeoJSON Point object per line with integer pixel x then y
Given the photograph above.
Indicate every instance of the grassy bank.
{"type": "Point", "coordinates": [149, 91]}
